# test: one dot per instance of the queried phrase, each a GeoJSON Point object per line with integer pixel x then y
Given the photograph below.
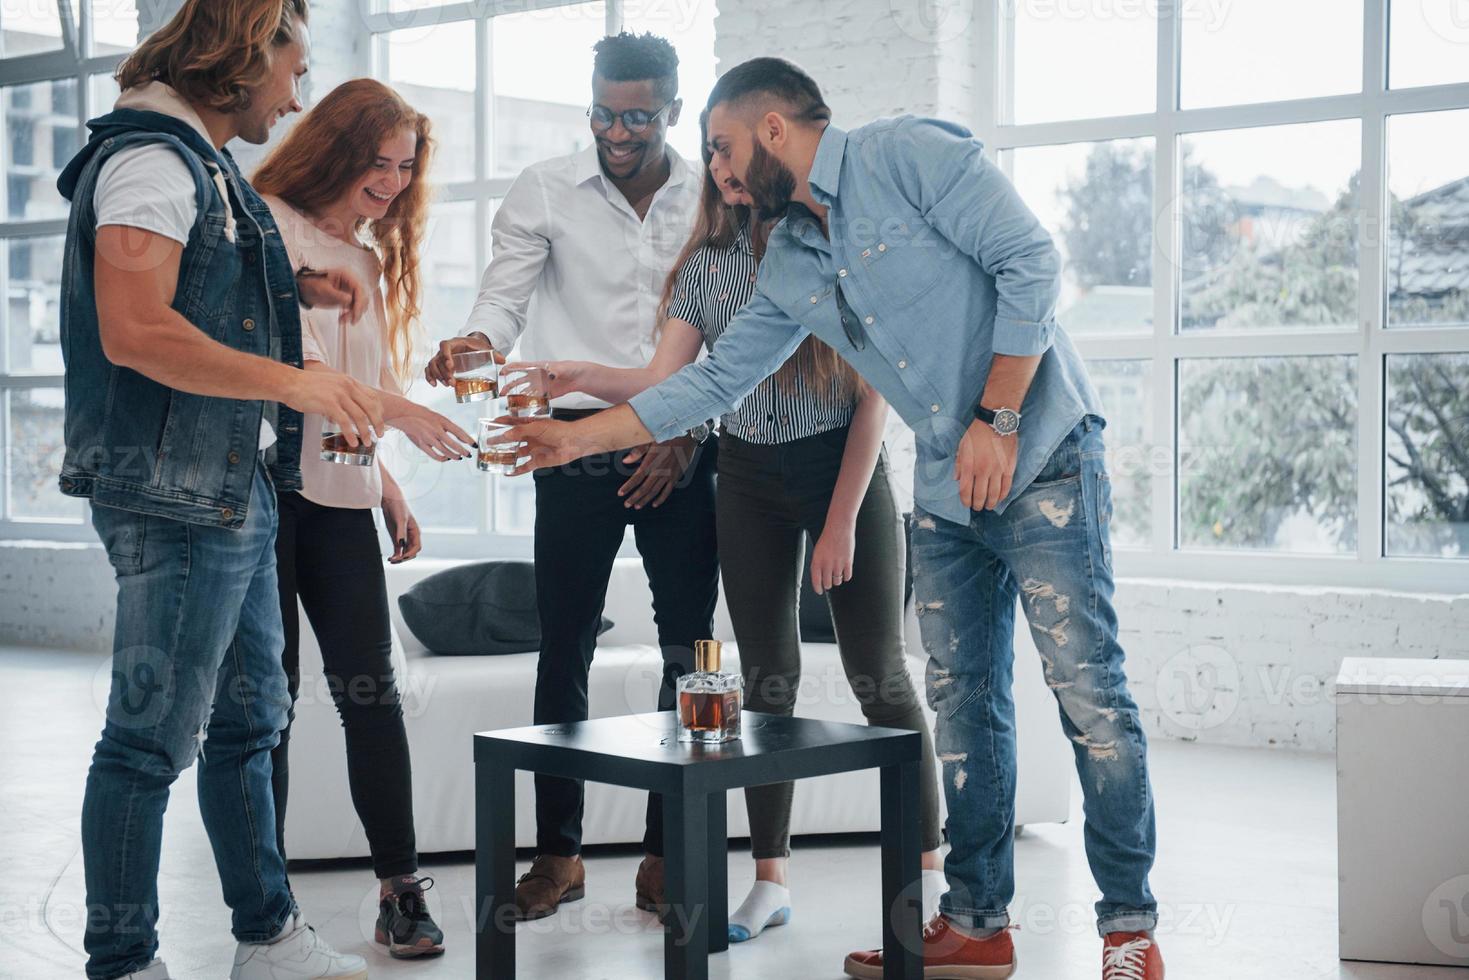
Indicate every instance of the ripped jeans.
{"type": "Point", "coordinates": [1051, 549]}
{"type": "Point", "coordinates": [196, 673]}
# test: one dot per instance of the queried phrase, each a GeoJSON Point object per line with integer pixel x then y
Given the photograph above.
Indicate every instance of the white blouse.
{"type": "Point", "coordinates": [360, 350]}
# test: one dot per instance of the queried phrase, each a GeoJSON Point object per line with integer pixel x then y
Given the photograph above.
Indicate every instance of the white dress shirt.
{"type": "Point", "coordinates": [576, 271]}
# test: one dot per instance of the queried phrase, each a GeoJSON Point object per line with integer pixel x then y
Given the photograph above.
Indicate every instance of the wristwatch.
{"type": "Point", "coordinates": [1005, 421]}
{"type": "Point", "coordinates": [701, 432]}
{"type": "Point", "coordinates": [306, 272]}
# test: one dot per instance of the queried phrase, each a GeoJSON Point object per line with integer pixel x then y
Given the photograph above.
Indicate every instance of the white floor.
{"type": "Point", "coordinates": [1246, 874]}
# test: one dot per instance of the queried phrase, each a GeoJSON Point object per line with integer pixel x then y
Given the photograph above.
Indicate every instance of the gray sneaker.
{"type": "Point", "coordinates": [153, 971]}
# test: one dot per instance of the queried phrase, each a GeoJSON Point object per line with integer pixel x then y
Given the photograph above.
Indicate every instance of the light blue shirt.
{"type": "Point", "coordinates": [935, 265]}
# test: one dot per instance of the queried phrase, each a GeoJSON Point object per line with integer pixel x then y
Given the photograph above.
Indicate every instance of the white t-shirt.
{"type": "Point", "coordinates": [151, 187]}
{"type": "Point", "coordinates": [362, 350]}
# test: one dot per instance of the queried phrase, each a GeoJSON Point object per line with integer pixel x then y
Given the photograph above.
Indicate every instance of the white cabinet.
{"type": "Point", "coordinates": [1402, 750]}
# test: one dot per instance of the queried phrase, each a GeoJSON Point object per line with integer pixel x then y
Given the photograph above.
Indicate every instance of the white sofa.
{"type": "Point", "coordinates": [447, 699]}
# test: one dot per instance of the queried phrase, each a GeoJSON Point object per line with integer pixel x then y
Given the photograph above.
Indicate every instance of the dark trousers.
{"type": "Point", "coordinates": [771, 497]}
{"type": "Point", "coordinates": [331, 559]}
{"type": "Point", "coordinates": [580, 524]}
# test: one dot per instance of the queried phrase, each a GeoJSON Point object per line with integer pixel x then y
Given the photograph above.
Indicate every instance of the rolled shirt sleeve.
{"type": "Point", "coordinates": [759, 339]}
{"type": "Point", "coordinates": [943, 171]}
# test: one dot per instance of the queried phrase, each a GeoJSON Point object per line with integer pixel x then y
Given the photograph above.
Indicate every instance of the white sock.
{"type": "Point", "coordinates": [934, 886]}
{"type": "Point", "coordinates": [768, 904]}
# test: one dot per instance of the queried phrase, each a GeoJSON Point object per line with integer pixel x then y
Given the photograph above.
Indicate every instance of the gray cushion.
{"type": "Point", "coordinates": [488, 607]}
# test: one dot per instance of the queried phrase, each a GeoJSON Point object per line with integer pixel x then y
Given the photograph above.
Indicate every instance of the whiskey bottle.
{"type": "Point", "coordinates": [709, 699]}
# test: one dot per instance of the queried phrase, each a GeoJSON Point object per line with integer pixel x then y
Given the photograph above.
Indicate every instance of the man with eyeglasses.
{"type": "Point", "coordinates": [582, 247]}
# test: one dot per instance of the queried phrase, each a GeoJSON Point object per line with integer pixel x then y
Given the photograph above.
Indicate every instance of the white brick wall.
{"type": "Point", "coordinates": [871, 57]}
{"type": "Point", "coordinates": [1227, 664]}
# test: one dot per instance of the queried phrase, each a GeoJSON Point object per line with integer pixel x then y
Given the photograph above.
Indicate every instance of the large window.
{"type": "Point", "coordinates": [507, 84]}
{"type": "Point", "coordinates": [1264, 221]}
{"type": "Point", "coordinates": [50, 54]}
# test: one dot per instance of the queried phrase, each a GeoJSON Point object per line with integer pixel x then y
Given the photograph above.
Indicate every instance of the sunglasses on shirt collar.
{"type": "Point", "coordinates": [633, 120]}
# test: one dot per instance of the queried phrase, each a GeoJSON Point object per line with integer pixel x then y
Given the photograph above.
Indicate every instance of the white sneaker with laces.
{"type": "Point", "coordinates": [297, 954]}
{"type": "Point", "coordinates": [153, 971]}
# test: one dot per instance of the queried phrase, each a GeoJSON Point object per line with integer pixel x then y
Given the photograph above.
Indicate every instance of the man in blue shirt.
{"type": "Point", "coordinates": [911, 254]}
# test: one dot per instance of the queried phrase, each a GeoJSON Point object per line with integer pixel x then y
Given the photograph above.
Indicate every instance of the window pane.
{"type": "Point", "coordinates": [432, 67]}
{"type": "Point", "coordinates": [515, 505]}
{"type": "Point", "coordinates": [445, 496]}
{"type": "Point", "coordinates": [1427, 466]}
{"type": "Point", "coordinates": [30, 28]}
{"type": "Point", "coordinates": [103, 93]}
{"type": "Point", "coordinates": [1429, 39]}
{"type": "Point", "coordinates": [1126, 388]}
{"type": "Point", "coordinates": [1270, 227]}
{"type": "Point", "coordinates": [34, 448]}
{"type": "Point", "coordinates": [40, 122]}
{"type": "Point", "coordinates": [114, 26]}
{"type": "Point", "coordinates": [542, 66]}
{"type": "Point", "coordinates": [1267, 454]}
{"type": "Point", "coordinates": [689, 27]}
{"type": "Point", "coordinates": [33, 303]}
{"type": "Point", "coordinates": [1428, 251]}
{"type": "Point", "coordinates": [1096, 200]}
{"type": "Point", "coordinates": [1112, 46]}
{"type": "Point", "coordinates": [1265, 51]}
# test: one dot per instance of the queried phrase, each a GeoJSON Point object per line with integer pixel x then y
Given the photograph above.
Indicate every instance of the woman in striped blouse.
{"type": "Point", "coordinates": [801, 456]}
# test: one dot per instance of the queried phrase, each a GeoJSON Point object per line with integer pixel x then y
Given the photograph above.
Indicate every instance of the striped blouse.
{"type": "Point", "coordinates": [711, 287]}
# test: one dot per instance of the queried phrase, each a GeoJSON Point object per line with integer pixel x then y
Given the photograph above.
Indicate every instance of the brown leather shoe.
{"type": "Point", "coordinates": [551, 882]}
{"type": "Point", "coordinates": [649, 885]}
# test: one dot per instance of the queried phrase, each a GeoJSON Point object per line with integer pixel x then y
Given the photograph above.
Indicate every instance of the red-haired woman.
{"type": "Point", "coordinates": [347, 190]}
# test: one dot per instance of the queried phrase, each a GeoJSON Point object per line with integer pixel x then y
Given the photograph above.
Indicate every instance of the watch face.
{"type": "Point", "coordinates": [1007, 422]}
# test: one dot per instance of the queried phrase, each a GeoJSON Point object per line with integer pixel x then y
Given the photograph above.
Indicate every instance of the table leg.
{"type": "Point", "coordinates": [902, 895]}
{"type": "Point", "coordinates": [718, 873]}
{"type": "Point", "coordinates": [686, 879]}
{"type": "Point", "coordinates": [494, 871]}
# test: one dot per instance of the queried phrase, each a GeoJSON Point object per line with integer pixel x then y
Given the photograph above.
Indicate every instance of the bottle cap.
{"type": "Point", "coordinates": [707, 655]}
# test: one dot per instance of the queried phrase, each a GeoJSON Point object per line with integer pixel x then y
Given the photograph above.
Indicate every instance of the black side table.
{"type": "Point", "coordinates": [643, 752]}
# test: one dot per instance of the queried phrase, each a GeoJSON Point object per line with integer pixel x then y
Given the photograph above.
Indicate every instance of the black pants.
{"type": "Point", "coordinates": [771, 498]}
{"type": "Point", "coordinates": [580, 524]}
{"type": "Point", "coordinates": [330, 557]}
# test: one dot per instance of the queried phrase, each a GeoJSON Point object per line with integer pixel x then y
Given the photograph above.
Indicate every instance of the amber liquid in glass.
{"type": "Point", "coordinates": [526, 406]}
{"type": "Point", "coordinates": [489, 458]}
{"type": "Point", "coordinates": [337, 446]}
{"type": "Point", "coordinates": [473, 389]}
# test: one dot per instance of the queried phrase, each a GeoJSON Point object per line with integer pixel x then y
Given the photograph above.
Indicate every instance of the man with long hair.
{"type": "Point", "coordinates": [184, 392]}
{"type": "Point", "coordinates": [591, 237]}
{"type": "Point", "coordinates": [907, 251]}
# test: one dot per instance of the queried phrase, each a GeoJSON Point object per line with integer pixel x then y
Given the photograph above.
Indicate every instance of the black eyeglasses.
{"type": "Point", "coordinates": [633, 120]}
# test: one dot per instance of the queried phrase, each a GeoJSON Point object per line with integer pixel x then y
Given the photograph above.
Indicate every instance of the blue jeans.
{"type": "Point", "coordinates": [196, 672]}
{"type": "Point", "coordinates": [1051, 548]}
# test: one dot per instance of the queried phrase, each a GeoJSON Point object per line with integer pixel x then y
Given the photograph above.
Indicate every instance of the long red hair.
{"type": "Point", "coordinates": [327, 152]}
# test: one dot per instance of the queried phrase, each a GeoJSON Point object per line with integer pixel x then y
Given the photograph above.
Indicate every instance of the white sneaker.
{"type": "Point", "coordinates": [297, 954]}
{"type": "Point", "coordinates": [153, 971]}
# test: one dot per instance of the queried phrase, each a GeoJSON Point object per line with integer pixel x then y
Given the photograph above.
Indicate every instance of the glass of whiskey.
{"type": "Point", "coordinates": [335, 447]}
{"type": "Point", "coordinates": [497, 457]}
{"type": "Point", "coordinates": [475, 373]}
{"type": "Point", "coordinates": [527, 391]}
{"type": "Point", "coordinates": [709, 699]}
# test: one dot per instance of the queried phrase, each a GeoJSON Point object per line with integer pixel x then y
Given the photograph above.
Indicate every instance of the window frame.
{"type": "Point", "coordinates": [1371, 342]}
{"type": "Point", "coordinates": [73, 61]}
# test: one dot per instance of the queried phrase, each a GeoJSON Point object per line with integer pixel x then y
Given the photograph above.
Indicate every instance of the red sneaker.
{"type": "Point", "coordinates": [947, 955]}
{"type": "Point", "coordinates": [1131, 956]}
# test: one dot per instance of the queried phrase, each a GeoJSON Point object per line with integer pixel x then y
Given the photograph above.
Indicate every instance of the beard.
{"type": "Point", "coordinates": [770, 184]}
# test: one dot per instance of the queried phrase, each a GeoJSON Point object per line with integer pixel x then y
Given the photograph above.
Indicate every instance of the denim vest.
{"type": "Point", "coordinates": [138, 445]}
